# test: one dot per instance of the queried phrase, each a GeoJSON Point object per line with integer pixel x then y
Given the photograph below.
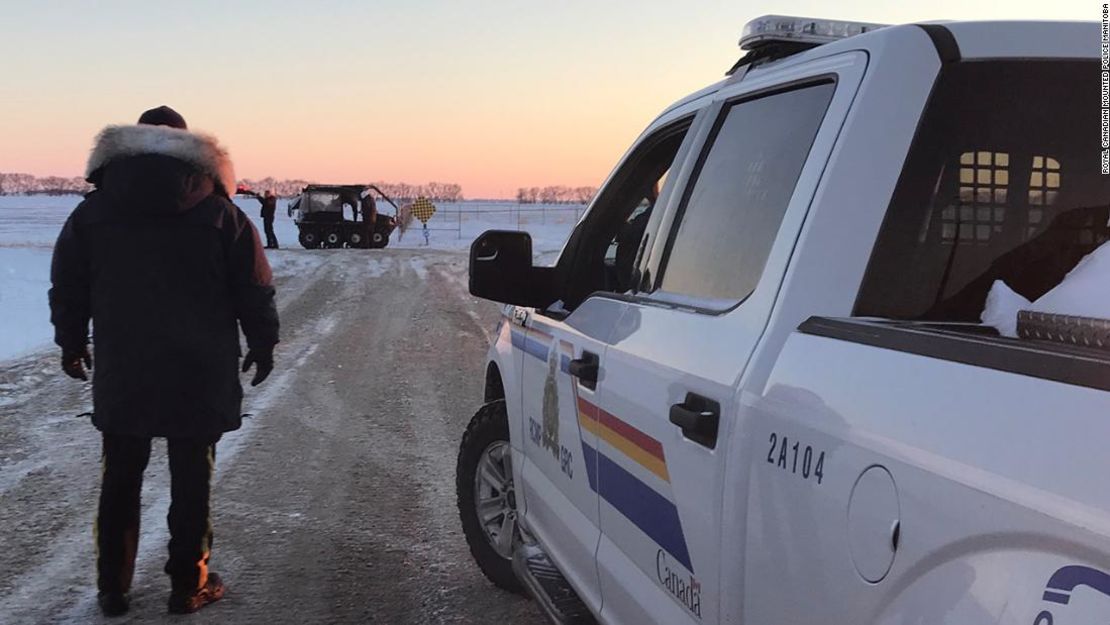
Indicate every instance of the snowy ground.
{"type": "Point", "coordinates": [29, 225]}
{"type": "Point", "coordinates": [335, 503]}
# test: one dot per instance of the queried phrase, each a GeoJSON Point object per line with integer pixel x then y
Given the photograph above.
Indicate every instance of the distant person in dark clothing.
{"type": "Point", "coordinates": [369, 212]}
{"type": "Point", "coordinates": [269, 209]}
{"type": "Point", "coordinates": [167, 269]}
{"type": "Point", "coordinates": [369, 209]}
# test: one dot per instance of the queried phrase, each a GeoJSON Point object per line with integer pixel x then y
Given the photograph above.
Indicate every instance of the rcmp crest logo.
{"type": "Point", "coordinates": [550, 439]}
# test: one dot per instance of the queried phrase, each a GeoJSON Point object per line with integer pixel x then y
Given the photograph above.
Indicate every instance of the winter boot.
{"type": "Point", "coordinates": [113, 603]}
{"type": "Point", "coordinates": [189, 601]}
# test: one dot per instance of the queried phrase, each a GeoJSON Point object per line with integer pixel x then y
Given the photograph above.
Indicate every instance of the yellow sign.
{"type": "Point", "coordinates": [423, 209]}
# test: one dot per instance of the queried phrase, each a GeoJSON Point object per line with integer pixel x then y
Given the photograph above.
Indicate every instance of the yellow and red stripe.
{"type": "Point", "coordinates": [645, 450]}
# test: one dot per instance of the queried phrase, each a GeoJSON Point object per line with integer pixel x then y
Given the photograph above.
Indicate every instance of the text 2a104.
{"type": "Point", "coordinates": [796, 458]}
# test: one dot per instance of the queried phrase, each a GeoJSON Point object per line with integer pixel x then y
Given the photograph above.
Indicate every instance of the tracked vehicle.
{"type": "Point", "coordinates": [321, 214]}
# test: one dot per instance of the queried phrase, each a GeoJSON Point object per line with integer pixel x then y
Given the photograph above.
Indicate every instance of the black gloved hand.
{"type": "Point", "coordinates": [74, 363]}
{"type": "Point", "coordinates": [263, 359]}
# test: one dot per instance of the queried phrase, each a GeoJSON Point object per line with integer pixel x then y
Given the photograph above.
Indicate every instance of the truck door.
{"type": "Point", "coordinates": [559, 470]}
{"type": "Point", "coordinates": [680, 349]}
{"type": "Point", "coordinates": [565, 350]}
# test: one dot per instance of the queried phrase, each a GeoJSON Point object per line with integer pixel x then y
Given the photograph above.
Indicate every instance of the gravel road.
{"type": "Point", "coordinates": [333, 504]}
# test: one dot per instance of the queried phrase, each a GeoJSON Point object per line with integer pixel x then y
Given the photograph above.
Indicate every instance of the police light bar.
{"type": "Point", "coordinates": [782, 28]}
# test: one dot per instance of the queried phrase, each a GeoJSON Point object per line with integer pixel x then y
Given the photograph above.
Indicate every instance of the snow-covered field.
{"type": "Point", "coordinates": [30, 224]}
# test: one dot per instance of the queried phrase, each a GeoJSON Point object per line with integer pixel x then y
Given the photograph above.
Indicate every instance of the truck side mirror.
{"type": "Point", "coordinates": [501, 270]}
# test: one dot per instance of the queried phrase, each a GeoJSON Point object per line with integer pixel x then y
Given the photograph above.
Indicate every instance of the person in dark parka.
{"type": "Point", "coordinates": [269, 211]}
{"type": "Point", "coordinates": [168, 271]}
{"type": "Point", "coordinates": [369, 215]}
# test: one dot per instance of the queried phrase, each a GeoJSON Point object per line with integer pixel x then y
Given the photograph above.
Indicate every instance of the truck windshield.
{"type": "Point", "coordinates": [1003, 181]}
{"type": "Point", "coordinates": [317, 201]}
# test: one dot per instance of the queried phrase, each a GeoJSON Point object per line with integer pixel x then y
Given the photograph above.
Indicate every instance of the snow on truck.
{"type": "Point", "coordinates": [755, 387]}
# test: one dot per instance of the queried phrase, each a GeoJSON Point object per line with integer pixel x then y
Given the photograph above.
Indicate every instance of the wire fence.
{"type": "Point", "coordinates": [470, 218]}
{"type": "Point", "coordinates": [35, 220]}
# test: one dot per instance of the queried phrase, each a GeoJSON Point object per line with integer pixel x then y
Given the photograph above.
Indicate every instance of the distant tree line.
{"type": "Point", "coordinates": [437, 191]}
{"type": "Point", "coordinates": [555, 195]}
{"type": "Point", "coordinates": [15, 184]}
{"type": "Point", "coordinates": [283, 188]}
{"type": "Point", "coordinates": [25, 184]}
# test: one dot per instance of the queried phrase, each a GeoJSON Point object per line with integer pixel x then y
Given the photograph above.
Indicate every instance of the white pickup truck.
{"type": "Point", "coordinates": [755, 389]}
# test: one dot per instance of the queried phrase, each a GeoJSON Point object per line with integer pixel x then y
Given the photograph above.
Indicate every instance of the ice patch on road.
{"type": "Point", "coordinates": [290, 263]}
{"type": "Point", "coordinates": [478, 322]}
{"type": "Point", "coordinates": [419, 265]}
{"type": "Point", "coordinates": [378, 267]}
{"type": "Point", "coordinates": [325, 325]}
{"type": "Point", "coordinates": [300, 362]}
{"type": "Point", "coordinates": [455, 273]}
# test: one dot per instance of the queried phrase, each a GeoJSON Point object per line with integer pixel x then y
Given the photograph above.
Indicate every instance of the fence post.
{"type": "Point", "coordinates": [459, 210]}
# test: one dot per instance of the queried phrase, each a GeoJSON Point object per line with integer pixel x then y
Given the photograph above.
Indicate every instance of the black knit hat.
{"type": "Point", "coordinates": [163, 116]}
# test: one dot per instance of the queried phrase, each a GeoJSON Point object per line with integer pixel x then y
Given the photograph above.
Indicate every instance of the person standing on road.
{"type": "Point", "coordinates": [269, 210]}
{"type": "Point", "coordinates": [167, 269]}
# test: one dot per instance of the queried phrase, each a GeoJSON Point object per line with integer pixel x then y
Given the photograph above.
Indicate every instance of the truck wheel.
{"type": "Point", "coordinates": [355, 239]}
{"type": "Point", "coordinates": [486, 498]}
{"type": "Point", "coordinates": [333, 239]}
{"type": "Point", "coordinates": [310, 239]}
{"type": "Point", "coordinates": [379, 239]}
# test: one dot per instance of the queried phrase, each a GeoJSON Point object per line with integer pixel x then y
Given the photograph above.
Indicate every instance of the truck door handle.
{"type": "Point", "coordinates": [698, 417]}
{"type": "Point", "coordinates": [585, 369]}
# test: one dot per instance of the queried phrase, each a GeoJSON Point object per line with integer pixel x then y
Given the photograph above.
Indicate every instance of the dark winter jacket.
{"type": "Point", "coordinates": [269, 208]}
{"type": "Point", "coordinates": [168, 270]}
{"type": "Point", "coordinates": [369, 210]}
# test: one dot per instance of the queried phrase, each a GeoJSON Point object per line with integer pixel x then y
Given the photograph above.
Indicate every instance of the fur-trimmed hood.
{"type": "Point", "coordinates": [200, 150]}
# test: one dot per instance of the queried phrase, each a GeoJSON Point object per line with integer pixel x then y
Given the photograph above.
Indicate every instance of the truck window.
{"type": "Point", "coordinates": [602, 252]}
{"type": "Point", "coordinates": [1002, 182]}
{"type": "Point", "coordinates": [743, 184]}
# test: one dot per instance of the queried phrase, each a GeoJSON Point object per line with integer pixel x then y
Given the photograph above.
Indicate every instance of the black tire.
{"type": "Point", "coordinates": [333, 238]}
{"type": "Point", "coordinates": [356, 239]}
{"type": "Point", "coordinates": [488, 426]}
{"type": "Point", "coordinates": [380, 236]}
{"type": "Point", "coordinates": [309, 238]}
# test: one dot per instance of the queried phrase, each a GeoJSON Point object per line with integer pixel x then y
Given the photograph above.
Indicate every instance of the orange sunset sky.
{"type": "Point", "coordinates": [492, 95]}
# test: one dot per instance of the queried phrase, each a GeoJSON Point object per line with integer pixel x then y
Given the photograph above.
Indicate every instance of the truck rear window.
{"type": "Point", "coordinates": [1003, 182]}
